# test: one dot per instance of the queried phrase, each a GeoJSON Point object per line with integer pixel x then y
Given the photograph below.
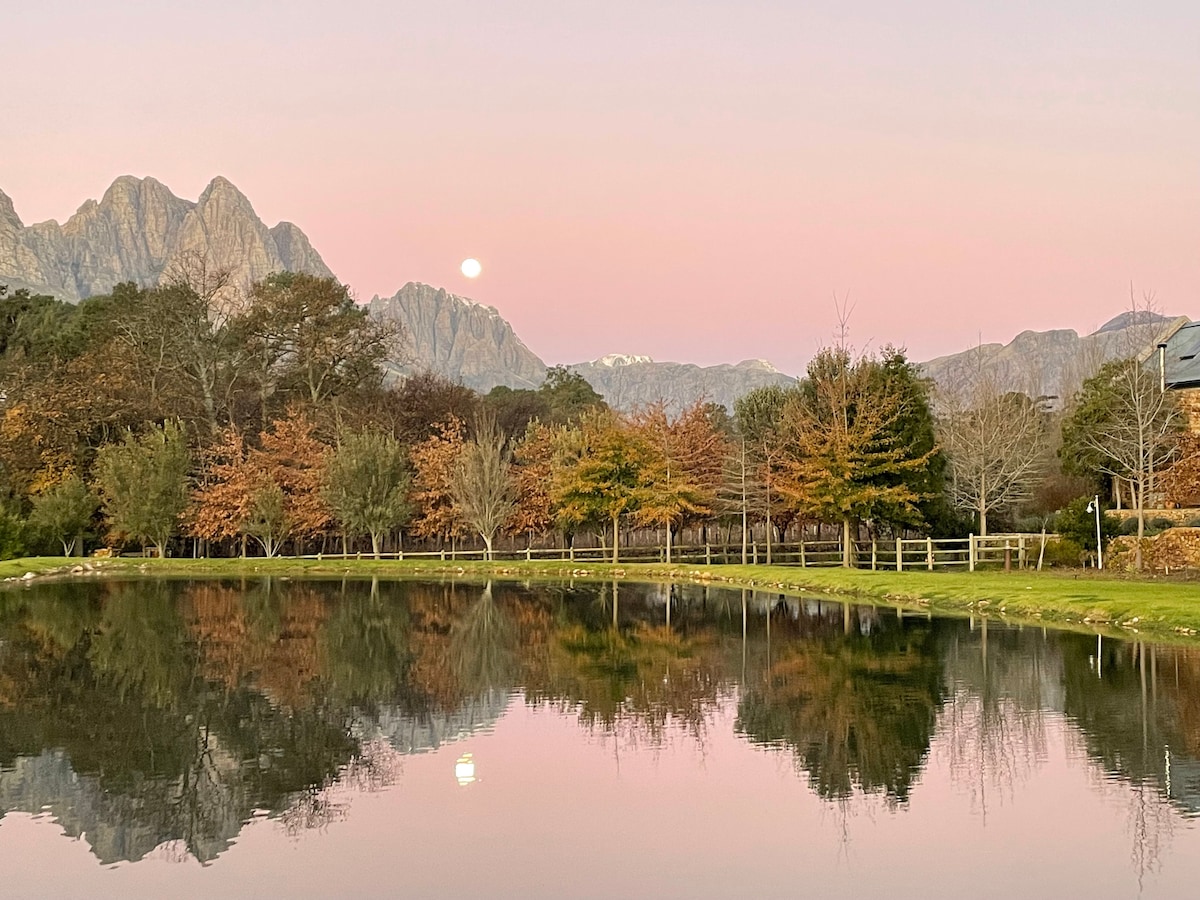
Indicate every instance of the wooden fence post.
{"type": "Point", "coordinates": [874, 554]}
{"type": "Point", "coordinates": [970, 552]}
{"type": "Point", "coordinates": [929, 553]}
{"type": "Point", "coordinates": [754, 547]}
{"type": "Point", "coordinates": [1021, 552]}
{"type": "Point", "coordinates": [803, 561]}
{"type": "Point", "coordinates": [707, 553]}
{"type": "Point", "coordinates": [899, 554]}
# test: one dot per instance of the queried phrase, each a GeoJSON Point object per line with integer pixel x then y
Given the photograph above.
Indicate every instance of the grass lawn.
{"type": "Point", "coordinates": [1157, 607]}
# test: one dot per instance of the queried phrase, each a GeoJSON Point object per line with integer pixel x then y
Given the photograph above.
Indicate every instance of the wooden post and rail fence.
{"type": "Point", "coordinates": [1007, 551]}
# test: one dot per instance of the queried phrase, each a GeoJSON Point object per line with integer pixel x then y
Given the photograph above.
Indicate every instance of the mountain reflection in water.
{"type": "Point", "coordinates": [163, 715]}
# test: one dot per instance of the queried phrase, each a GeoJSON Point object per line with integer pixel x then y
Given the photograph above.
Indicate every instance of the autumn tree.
{"type": "Point", "coordinates": [65, 511]}
{"type": "Point", "coordinates": [601, 470]}
{"type": "Point", "coordinates": [417, 407]}
{"type": "Point", "coordinates": [683, 475]}
{"type": "Point", "coordinates": [68, 388]}
{"type": "Point", "coordinates": [533, 470]}
{"type": "Point", "coordinates": [367, 484]}
{"type": "Point", "coordinates": [143, 483]}
{"type": "Point", "coordinates": [222, 501]}
{"type": "Point", "coordinates": [481, 484]}
{"type": "Point", "coordinates": [295, 459]}
{"type": "Point", "coordinates": [843, 452]}
{"type": "Point", "coordinates": [269, 493]}
{"type": "Point", "coordinates": [434, 461]}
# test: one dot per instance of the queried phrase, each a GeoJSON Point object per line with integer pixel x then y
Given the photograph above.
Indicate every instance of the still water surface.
{"type": "Point", "coordinates": [374, 739]}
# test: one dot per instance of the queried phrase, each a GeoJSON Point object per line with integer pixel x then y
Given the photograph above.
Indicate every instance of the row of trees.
{"type": "Point", "coordinates": [272, 419]}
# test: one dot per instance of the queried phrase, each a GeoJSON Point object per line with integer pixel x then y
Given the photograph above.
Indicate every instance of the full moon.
{"type": "Point", "coordinates": [471, 268]}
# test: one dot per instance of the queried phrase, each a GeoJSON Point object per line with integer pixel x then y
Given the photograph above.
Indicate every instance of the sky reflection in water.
{"type": "Point", "coordinates": [320, 738]}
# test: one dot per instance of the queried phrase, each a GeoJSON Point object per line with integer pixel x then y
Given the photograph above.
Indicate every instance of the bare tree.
{"type": "Point", "coordinates": [1125, 421]}
{"type": "Point", "coordinates": [1133, 430]}
{"type": "Point", "coordinates": [995, 440]}
{"type": "Point", "coordinates": [481, 484]}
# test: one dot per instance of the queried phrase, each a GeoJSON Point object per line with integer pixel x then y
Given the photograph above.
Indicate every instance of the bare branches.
{"type": "Point", "coordinates": [481, 482]}
{"type": "Point", "coordinates": [995, 440]}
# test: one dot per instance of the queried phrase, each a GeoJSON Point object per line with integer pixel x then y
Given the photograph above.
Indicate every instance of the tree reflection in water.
{"type": "Point", "coordinates": [856, 705]}
{"type": "Point", "coordinates": [159, 717]}
{"type": "Point", "coordinates": [992, 730]}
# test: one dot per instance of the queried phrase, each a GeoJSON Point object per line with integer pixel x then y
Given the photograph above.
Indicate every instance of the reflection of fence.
{"type": "Point", "coordinates": [902, 554]}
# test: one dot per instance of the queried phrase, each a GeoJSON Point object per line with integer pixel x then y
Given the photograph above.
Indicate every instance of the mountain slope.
{"type": "Point", "coordinates": [628, 382]}
{"type": "Point", "coordinates": [460, 339]}
{"type": "Point", "coordinates": [1053, 363]}
{"type": "Point", "coordinates": [141, 232]}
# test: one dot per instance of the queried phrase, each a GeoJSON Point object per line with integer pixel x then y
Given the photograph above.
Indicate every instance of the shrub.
{"type": "Point", "coordinates": [1159, 524]}
{"type": "Point", "coordinates": [14, 535]}
{"type": "Point", "coordinates": [1064, 553]}
{"type": "Point", "coordinates": [1129, 526]}
{"type": "Point", "coordinates": [1077, 524]}
{"type": "Point", "coordinates": [1192, 523]}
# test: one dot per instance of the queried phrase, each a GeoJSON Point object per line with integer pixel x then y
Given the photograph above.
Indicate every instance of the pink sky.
{"type": "Point", "coordinates": [693, 181]}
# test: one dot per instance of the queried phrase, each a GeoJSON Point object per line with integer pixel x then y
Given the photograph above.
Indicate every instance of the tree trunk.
{"type": "Point", "coordinates": [668, 543]}
{"type": "Point", "coordinates": [375, 543]}
{"type": "Point", "coordinates": [983, 507]}
{"type": "Point", "coordinates": [616, 535]}
{"type": "Point", "coordinates": [487, 547]}
{"type": "Point", "coordinates": [1139, 498]}
{"type": "Point", "coordinates": [847, 545]}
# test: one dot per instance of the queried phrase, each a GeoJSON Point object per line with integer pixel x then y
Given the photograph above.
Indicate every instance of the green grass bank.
{"type": "Point", "coordinates": [1153, 607]}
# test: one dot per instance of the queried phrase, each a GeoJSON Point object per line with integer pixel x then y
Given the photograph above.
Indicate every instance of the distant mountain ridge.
{"type": "Point", "coordinates": [472, 343]}
{"type": "Point", "coordinates": [629, 382]}
{"type": "Point", "coordinates": [138, 231]}
{"type": "Point", "coordinates": [1054, 363]}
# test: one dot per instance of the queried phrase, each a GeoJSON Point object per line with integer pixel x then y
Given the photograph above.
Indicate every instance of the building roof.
{"type": "Point", "coordinates": [1183, 357]}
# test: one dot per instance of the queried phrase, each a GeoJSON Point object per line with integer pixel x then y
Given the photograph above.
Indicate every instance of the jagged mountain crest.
{"type": "Point", "coordinates": [138, 230]}
{"type": "Point", "coordinates": [1054, 364]}
{"type": "Point", "coordinates": [460, 339]}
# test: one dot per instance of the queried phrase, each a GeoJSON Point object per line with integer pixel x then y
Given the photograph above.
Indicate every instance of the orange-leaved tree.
{"type": "Point", "coordinates": [270, 493]}
{"type": "Point", "coordinates": [685, 458]}
{"type": "Point", "coordinates": [842, 448]}
{"type": "Point", "coordinates": [433, 463]}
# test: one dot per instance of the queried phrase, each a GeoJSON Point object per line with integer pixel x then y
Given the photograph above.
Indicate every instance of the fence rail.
{"type": "Point", "coordinates": [901, 554]}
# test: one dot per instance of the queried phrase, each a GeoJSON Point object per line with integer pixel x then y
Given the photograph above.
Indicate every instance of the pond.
{"type": "Point", "coordinates": [383, 738]}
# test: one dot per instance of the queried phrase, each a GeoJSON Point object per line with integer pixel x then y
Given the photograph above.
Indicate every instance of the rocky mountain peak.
{"type": "Point", "coordinates": [1131, 318]}
{"type": "Point", "coordinates": [622, 359]}
{"type": "Point", "coordinates": [139, 231]}
{"type": "Point", "coordinates": [9, 220]}
{"type": "Point", "coordinates": [460, 338]}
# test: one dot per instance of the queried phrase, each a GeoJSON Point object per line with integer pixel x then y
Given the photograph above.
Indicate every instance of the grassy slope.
{"type": "Point", "coordinates": [1157, 607]}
